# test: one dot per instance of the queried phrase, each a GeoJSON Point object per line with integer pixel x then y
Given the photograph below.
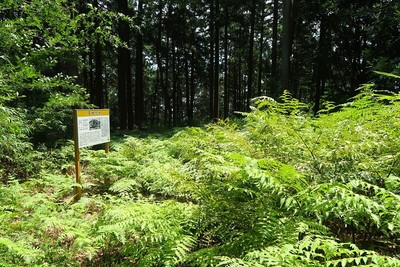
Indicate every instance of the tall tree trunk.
{"type": "Point", "coordinates": [86, 55]}
{"type": "Point", "coordinates": [216, 62]}
{"type": "Point", "coordinates": [85, 72]}
{"type": "Point", "coordinates": [163, 74]}
{"type": "Point", "coordinates": [129, 89]}
{"type": "Point", "coordinates": [187, 84]}
{"type": "Point", "coordinates": [235, 87]}
{"type": "Point", "coordinates": [293, 85]}
{"type": "Point", "coordinates": [124, 73]}
{"type": "Point", "coordinates": [192, 89]}
{"type": "Point", "coordinates": [174, 85]}
{"type": "Point", "coordinates": [320, 66]}
{"type": "Point", "coordinates": [238, 72]}
{"type": "Point", "coordinates": [260, 56]}
{"type": "Point", "coordinates": [356, 58]}
{"type": "Point", "coordinates": [211, 66]}
{"type": "Point", "coordinates": [274, 91]}
{"type": "Point", "coordinates": [226, 89]}
{"type": "Point", "coordinates": [91, 75]}
{"type": "Point", "coordinates": [98, 62]}
{"type": "Point", "coordinates": [179, 96]}
{"type": "Point", "coordinates": [154, 101]}
{"type": "Point", "coordinates": [106, 84]}
{"type": "Point", "coordinates": [98, 77]}
{"type": "Point", "coordinates": [139, 86]}
{"type": "Point", "coordinates": [167, 97]}
{"type": "Point", "coordinates": [239, 92]}
{"type": "Point", "coordinates": [286, 44]}
{"type": "Point", "coordinates": [251, 55]}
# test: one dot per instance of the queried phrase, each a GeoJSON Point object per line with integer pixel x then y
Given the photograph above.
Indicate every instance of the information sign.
{"type": "Point", "coordinates": [93, 126]}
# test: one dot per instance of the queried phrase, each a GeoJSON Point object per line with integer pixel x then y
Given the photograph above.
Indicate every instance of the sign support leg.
{"type": "Point", "coordinates": [78, 191]}
{"type": "Point", "coordinates": [107, 148]}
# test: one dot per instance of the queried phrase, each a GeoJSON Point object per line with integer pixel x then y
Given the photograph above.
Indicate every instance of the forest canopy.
{"type": "Point", "coordinates": [175, 63]}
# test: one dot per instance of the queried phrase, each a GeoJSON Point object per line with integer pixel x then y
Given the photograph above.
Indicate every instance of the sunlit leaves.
{"type": "Point", "coordinates": [284, 189]}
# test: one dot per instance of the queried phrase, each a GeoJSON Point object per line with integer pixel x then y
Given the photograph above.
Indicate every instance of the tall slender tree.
{"type": "Point", "coordinates": [320, 64]}
{"type": "Point", "coordinates": [124, 69]}
{"type": "Point", "coordinates": [139, 86]}
{"type": "Point", "coordinates": [217, 29]}
{"type": "Point", "coordinates": [211, 56]}
{"type": "Point", "coordinates": [286, 44]}
{"type": "Point", "coordinates": [274, 91]}
{"type": "Point", "coordinates": [97, 94]}
{"type": "Point", "coordinates": [260, 52]}
{"type": "Point", "coordinates": [250, 63]}
{"type": "Point", "coordinates": [226, 52]}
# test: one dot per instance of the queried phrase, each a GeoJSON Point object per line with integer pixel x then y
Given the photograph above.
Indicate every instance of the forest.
{"type": "Point", "coordinates": [243, 133]}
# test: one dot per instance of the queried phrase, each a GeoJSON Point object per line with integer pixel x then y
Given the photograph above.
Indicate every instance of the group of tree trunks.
{"type": "Point", "coordinates": [183, 62]}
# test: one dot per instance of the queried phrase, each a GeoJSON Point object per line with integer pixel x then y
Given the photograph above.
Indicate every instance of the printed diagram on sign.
{"type": "Point", "coordinates": [94, 124]}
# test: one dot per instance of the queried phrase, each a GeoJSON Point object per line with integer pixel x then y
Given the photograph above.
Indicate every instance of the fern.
{"type": "Point", "coordinates": [18, 252]}
{"type": "Point", "coordinates": [281, 188]}
{"type": "Point", "coordinates": [311, 251]}
{"type": "Point", "coordinates": [149, 230]}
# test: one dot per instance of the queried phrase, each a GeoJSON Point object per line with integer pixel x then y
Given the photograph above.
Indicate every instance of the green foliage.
{"type": "Point", "coordinates": [41, 225]}
{"type": "Point", "coordinates": [283, 189]}
{"type": "Point", "coordinates": [147, 233]}
{"type": "Point", "coordinates": [40, 57]}
{"type": "Point", "coordinates": [286, 189]}
{"type": "Point", "coordinates": [311, 251]}
{"type": "Point", "coordinates": [52, 122]}
{"type": "Point", "coordinates": [15, 151]}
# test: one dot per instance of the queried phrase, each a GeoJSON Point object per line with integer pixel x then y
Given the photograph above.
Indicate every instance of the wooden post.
{"type": "Point", "coordinates": [78, 190]}
{"type": "Point", "coordinates": [107, 178]}
{"type": "Point", "coordinates": [107, 148]}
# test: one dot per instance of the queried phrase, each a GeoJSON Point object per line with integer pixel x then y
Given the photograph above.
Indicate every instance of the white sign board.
{"type": "Point", "coordinates": [93, 127]}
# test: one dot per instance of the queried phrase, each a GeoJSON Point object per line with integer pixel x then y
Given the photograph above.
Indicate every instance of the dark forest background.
{"type": "Point", "coordinates": [168, 63]}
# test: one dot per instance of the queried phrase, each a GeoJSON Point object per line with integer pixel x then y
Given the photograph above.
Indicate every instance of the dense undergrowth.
{"type": "Point", "coordinates": [279, 188]}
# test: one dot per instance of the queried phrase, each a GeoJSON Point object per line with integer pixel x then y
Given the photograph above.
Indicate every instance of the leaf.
{"type": "Point", "coordinates": [387, 74]}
